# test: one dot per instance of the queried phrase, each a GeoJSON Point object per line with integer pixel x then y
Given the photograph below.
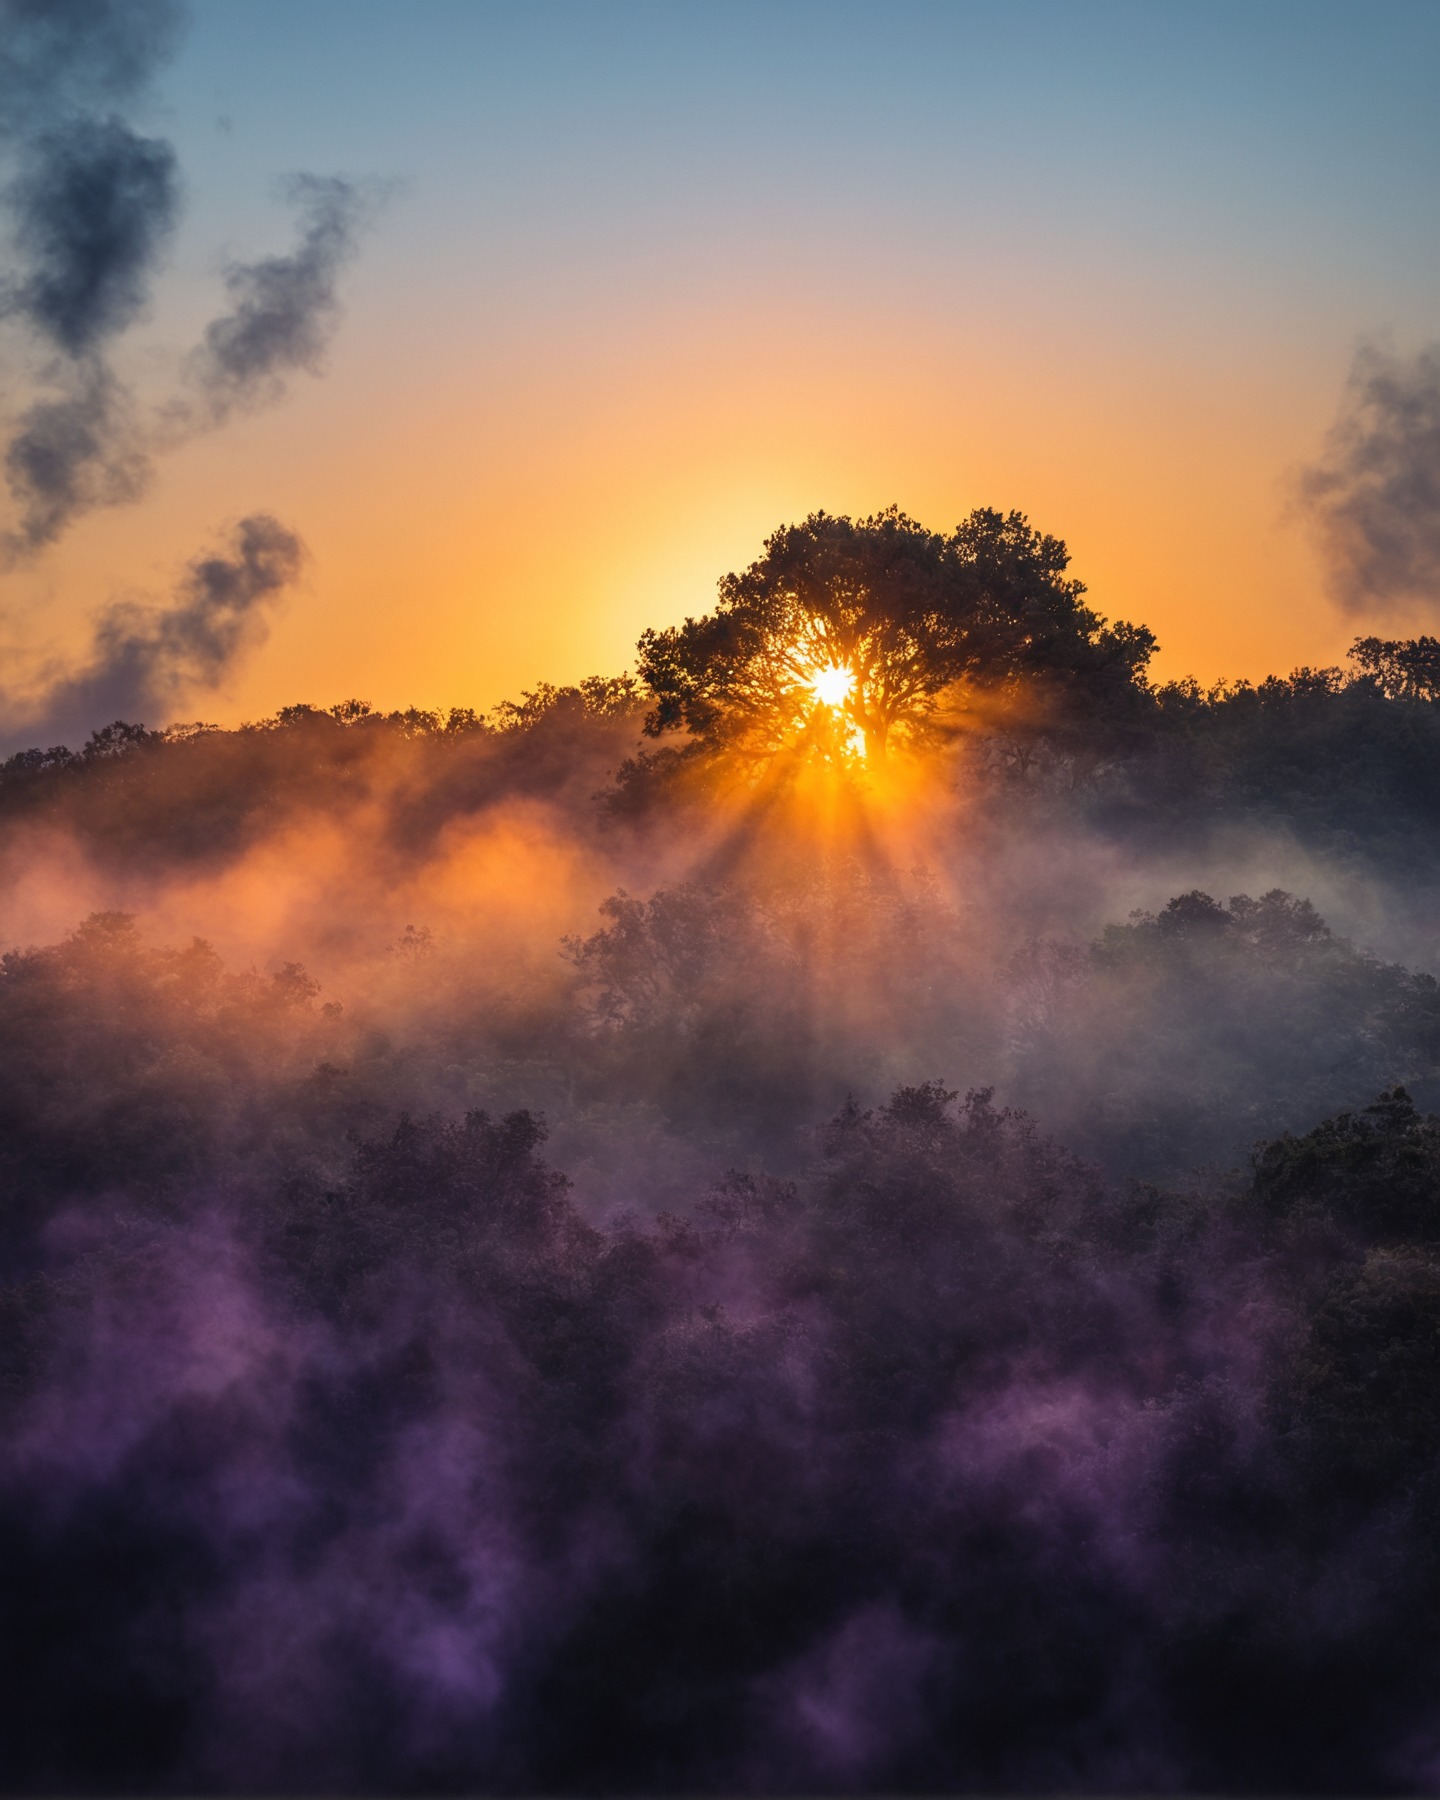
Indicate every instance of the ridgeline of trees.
{"type": "Point", "coordinates": [198, 793]}
{"type": "Point", "coordinates": [975, 648]}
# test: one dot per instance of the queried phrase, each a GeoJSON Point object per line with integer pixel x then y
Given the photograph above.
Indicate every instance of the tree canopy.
{"type": "Point", "coordinates": [1402, 669]}
{"type": "Point", "coordinates": [856, 634]}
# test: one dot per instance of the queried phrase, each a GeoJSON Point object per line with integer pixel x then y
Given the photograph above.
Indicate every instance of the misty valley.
{"type": "Point", "coordinates": [857, 1210]}
{"type": "Point", "coordinates": [853, 1208]}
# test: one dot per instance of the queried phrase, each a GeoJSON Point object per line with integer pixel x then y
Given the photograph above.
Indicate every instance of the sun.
{"type": "Point", "coordinates": [831, 685]}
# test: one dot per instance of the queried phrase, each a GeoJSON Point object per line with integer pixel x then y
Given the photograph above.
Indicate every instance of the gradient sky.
{"type": "Point", "coordinates": [653, 279]}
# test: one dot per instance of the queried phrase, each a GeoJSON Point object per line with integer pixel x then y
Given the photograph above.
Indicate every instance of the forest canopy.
{"type": "Point", "coordinates": [521, 1273]}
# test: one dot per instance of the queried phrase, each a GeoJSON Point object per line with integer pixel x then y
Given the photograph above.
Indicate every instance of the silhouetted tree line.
{"type": "Point", "coordinates": [975, 647]}
{"type": "Point", "coordinates": [196, 793]}
{"type": "Point", "coordinates": [1344, 760]}
{"type": "Point", "coordinates": [1347, 762]}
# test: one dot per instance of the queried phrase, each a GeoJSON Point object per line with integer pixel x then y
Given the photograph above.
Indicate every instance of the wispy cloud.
{"type": "Point", "coordinates": [1374, 495]}
{"type": "Point", "coordinates": [145, 660]}
{"type": "Point", "coordinates": [92, 205]}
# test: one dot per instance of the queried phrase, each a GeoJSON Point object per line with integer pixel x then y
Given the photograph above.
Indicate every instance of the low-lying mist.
{"type": "Point", "coordinates": [528, 1272]}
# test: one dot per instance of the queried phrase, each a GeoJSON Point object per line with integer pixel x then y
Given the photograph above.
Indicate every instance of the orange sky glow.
{"type": "Point", "coordinates": [646, 287]}
{"type": "Point", "coordinates": [475, 531]}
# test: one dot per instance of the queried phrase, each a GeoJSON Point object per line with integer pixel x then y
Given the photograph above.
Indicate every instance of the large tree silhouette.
{"type": "Point", "coordinates": [856, 634]}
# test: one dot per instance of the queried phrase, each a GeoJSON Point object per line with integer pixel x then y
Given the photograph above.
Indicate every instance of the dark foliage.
{"type": "Point", "coordinates": [370, 1462]}
{"type": "Point", "coordinates": [196, 794]}
{"type": "Point", "coordinates": [1185, 1036]}
{"type": "Point", "coordinates": [358, 1436]}
{"type": "Point", "coordinates": [1349, 766]}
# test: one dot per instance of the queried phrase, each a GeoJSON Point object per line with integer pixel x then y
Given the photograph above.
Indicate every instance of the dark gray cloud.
{"type": "Point", "coordinates": [71, 453]}
{"type": "Point", "coordinates": [93, 208]}
{"type": "Point", "coordinates": [145, 660]}
{"type": "Point", "coordinates": [86, 446]}
{"type": "Point", "coordinates": [283, 309]}
{"type": "Point", "coordinates": [1374, 496]}
{"type": "Point", "coordinates": [60, 57]}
